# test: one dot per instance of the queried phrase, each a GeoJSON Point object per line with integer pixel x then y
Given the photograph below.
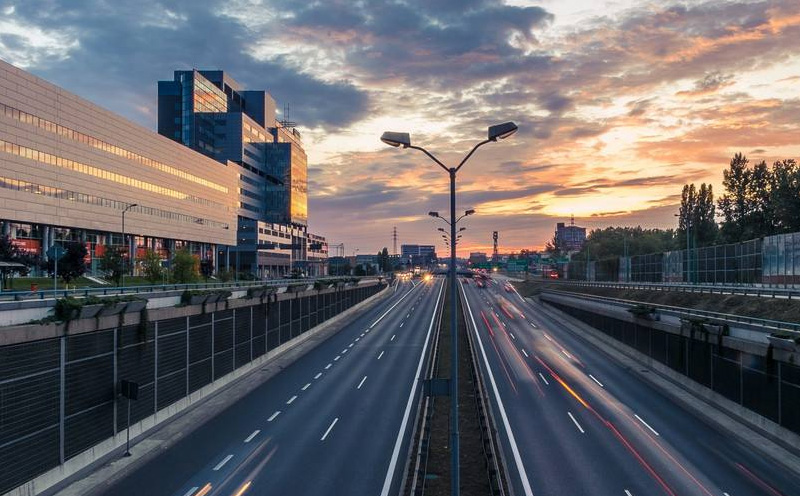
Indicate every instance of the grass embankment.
{"type": "Point", "coordinates": [751, 306]}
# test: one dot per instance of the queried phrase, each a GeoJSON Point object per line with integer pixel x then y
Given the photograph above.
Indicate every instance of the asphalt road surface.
{"type": "Point", "coordinates": [574, 422]}
{"type": "Point", "coordinates": [335, 422]}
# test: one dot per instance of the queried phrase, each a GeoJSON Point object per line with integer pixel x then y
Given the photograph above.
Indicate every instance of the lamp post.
{"type": "Point", "coordinates": [496, 132]}
{"type": "Point", "coordinates": [127, 245]}
{"type": "Point", "coordinates": [688, 256]}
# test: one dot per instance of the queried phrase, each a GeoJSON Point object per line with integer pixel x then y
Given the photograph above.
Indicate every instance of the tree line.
{"type": "Point", "coordinates": [758, 200]}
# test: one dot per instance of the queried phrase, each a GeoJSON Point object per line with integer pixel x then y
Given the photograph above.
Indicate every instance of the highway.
{"type": "Point", "coordinates": [335, 422]}
{"type": "Point", "coordinates": [574, 422]}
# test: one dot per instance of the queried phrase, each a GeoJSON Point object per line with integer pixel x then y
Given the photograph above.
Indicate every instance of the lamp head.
{"type": "Point", "coordinates": [433, 214]}
{"type": "Point", "coordinates": [462, 229]}
{"type": "Point", "coordinates": [396, 139]}
{"type": "Point", "coordinates": [501, 131]}
{"type": "Point", "coordinates": [441, 229]}
{"type": "Point", "coordinates": [470, 211]}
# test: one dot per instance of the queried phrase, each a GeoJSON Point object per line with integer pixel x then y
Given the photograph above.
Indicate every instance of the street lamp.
{"type": "Point", "coordinates": [496, 132]}
{"type": "Point", "coordinates": [127, 245]}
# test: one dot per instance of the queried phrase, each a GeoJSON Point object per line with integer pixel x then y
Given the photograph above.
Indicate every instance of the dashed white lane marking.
{"type": "Point", "coordinates": [393, 335]}
{"type": "Point", "coordinates": [350, 345]}
{"type": "Point", "coordinates": [305, 387]}
{"type": "Point", "coordinates": [191, 491]}
{"type": "Point", "coordinates": [566, 354]}
{"type": "Point", "coordinates": [545, 380]}
{"type": "Point", "coordinates": [534, 325]}
{"type": "Point", "coordinates": [329, 429]}
{"type": "Point", "coordinates": [512, 336]}
{"type": "Point", "coordinates": [362, 382]}
{"type": "Point", "coordinates": [328, 366]}
{"type": "Point", "coordinates": [401, 324]}
{"type": "Point", "coordinates": [548, 337]}
{"type": "Point", "coordinates": [725, 494]}
{"type": "Point", "coordinates": [223, 462]}
{"type": "Point", "coordinates": [291, 400]}
{"type": "Point", "coordinates": [576, 422]}
{"type": "Point", "coordinates": [319, 374]}
{"type": "Point", "coordinates": [344, 351]}
{"type": "Point", "coordinates": [408, 315]}
{"type": "Point", "coordinates": [362, 335]}
{"type": "Point", "coordinates": [357, 340]}
{"type": "Point", "coordinates": [628, 493]}
{"type": "Point", "coordinates": [379, 356]}
{"type": "Point", "coordinates": [251, 436]}
{"type": "Point", "coordinates": [524, 352]}
{"type": "Point", "coordinates": [274, 416]}
{"type": "Point", "coordinates": [337, 357]}
{"type": "Point", "coordinates": [595, 380]}
{"type": "Point", "coordinates": [646, 425]}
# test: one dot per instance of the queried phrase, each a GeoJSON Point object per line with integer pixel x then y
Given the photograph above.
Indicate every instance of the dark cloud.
{"type": "Point", "coordinates": [125, 47]}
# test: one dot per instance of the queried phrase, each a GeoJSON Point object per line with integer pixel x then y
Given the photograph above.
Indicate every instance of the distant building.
{"type": "Point", "coordinates": [478, 257]}
{"type": "Point", "coordinates": [570, 237]}
{"type": "Point", "coordinates": [418, 254]}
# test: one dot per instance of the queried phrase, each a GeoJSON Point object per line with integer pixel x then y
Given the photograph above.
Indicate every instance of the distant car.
{"type": "Point", "coordinates": [479, 284]}
{"type": "Point", "coordinates": [554, 275]}
{"type": "Point", "coordinates": [508, 288]}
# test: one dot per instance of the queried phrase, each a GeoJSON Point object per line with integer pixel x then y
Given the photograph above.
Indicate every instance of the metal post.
{"type": "Point", "coordinates": [128, 430]}
{"type": "Point", "coordinates": [454, 435]}
{"type": "Point", "coordinates": [688, 256]}
{"type": "Point", "coordinates": [127, 248]}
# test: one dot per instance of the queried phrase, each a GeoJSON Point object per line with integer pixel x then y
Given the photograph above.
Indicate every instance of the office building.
{"type": "Point", "coordinates": [69, 168]}
{"type": "Point", "coordinates": [478, 258]}
{"type": "Point", "coordinates": [211, 113]}
{"type": "Point", "coordinates": [418, 255]}
{"type": "Point", "coordinates": [570, 238]}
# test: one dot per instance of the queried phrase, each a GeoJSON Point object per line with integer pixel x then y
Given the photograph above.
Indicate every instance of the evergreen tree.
{"type": "Point", "coordinates": [785, 196]}
{"type": "Point", "coordinates": [734, 203]}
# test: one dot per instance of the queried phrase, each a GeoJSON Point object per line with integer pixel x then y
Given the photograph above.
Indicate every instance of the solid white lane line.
{"type": "Point", "coordinates": [391, 308]}
{"type": "Point", "coordinates": [291, 400]}
{"type": "Point", "coordinates": [379, 356]}
{"type": "Point", "coordinates": [523, 475]}
{"type": "Point", "coordinates": [545, 380]}
{"type": "Point", "coordinates": [251, 436]}
{"type": "Point", "coordinates": [328, 366]}
{"type": "Point", "coordinates": [191, 491]}
{"type": "Point", "coordinates": [595, 380]}
{"type": "Point", "coordinates": [628, 493]}
{"type": "Point", "coordinates": [337, 357]}
{"type": "Point", "coordinates": [274, 416]}
{"type": "Point", "coordinates": [318, 375]}
{"type": "Point", "coordinates": [362, 382]}
{"type": "Point", "coordinates": [576, 422]}
{"type": "Point", "coordinates": [401, 324]}
{"type": "Point", "coordinates": [387, 482]}
{"type": "Point", "coordinates": [329, 429]}
{"type": "Point", "coordinates": [646, 425]}
{"type": "Point", "coordinates": [393, 335]}
{"type": "Point", "coordinates": [512, 336]}
{"type": "Point", "coordinates": [524, 352]}
{"type": "Point", "coordinates": [223, 462]}
{"type": "Point", "coordinates": [305, 387]}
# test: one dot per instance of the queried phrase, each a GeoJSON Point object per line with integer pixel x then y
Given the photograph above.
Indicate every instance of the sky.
{"type": "Point", "coordinates": [618, 102]}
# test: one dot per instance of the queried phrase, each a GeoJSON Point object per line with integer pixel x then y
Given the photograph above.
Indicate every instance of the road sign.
{"type": "Point", "coordinates": [56, 251]}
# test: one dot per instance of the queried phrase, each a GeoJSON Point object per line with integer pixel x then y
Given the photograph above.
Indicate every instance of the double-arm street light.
{"type": "Point", "coordinates": [496, 132]}
{"type": "Point", "coordinates": [127, 245]}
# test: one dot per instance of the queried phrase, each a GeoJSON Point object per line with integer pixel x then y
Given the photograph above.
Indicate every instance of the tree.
{"type": "Point", "coordinates": [151, 266]}
{"type": "Point", "coordinates": [113, 264]}
{"type": "Point", "coordinates": [785, 196]}
{"type": "Point", "coordinates": [72, 264]}
{"type": "Point", "coordinates": [384, 262]}
{"type": "Point", "coordinates": [184, 267]}
{"type": "Point", "coordinates": [735, 204]}
{"type": "Point", "coordinates": [9, 252]}
{"type": "Point", "coordinates": [552, 248]}
{"type": "Point", "coordinates": [612, 241]}
{"type": "Point", "coordinates": [207, 268]}
{"type": "Point", "coordinates": [698, 213]}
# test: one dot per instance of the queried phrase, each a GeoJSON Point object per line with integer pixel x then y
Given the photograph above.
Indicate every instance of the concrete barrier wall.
{"type": "Point", "coordinates": [59, 406]}
{"type": "Point", "coordinates": [761, 379]}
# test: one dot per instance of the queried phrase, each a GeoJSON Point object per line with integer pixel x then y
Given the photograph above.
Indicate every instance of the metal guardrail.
{"type": "Point", "coordinates": [157, 288]}
{"type": "Point", "coordinates": [745, 290]}
{"type": "Point", "coordinates": [767, 325]}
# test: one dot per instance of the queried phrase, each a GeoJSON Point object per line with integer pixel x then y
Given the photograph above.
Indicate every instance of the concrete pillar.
{"type": "Point", "coordinates": [45, 242]}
